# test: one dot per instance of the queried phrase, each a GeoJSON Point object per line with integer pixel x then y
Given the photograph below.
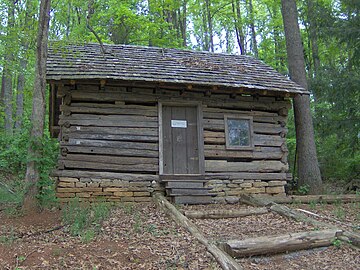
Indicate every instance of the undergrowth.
{"type": "Point", "coordinates": [13, 160]}
{"type": "Point", "coordinates": [85, 219]}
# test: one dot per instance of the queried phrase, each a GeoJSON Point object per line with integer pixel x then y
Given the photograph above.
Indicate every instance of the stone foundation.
{"type": "Point", "coordinates": [115, 190]}
{"type": "Point", "coordinates": [112, 190]}
{"type": "Point", "coordinates": [229, 191]}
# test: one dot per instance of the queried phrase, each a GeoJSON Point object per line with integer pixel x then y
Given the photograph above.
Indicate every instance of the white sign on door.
{"type": "Point", "coordinates": [178, 123]}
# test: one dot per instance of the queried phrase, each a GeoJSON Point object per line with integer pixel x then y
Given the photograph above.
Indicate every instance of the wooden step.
{"type": "Point", "coordinates": [187, 191]}
{"type": "Point", "coordinates": [182, 184]}
{"type": "Point", "coordinates": [181, 177]}
{"type": "Point", "coordinates": [192, 199]}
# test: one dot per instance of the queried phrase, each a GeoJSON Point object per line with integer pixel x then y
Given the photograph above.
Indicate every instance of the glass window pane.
{"type": "Point", "coordinates": [238, 132]}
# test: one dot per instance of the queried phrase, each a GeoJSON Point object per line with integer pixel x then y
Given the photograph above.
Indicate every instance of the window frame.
{"type": "Point", "coordinates": [251, 132]}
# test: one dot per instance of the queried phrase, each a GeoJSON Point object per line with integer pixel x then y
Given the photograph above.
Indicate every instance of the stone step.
{"type": "Point", "coordinates": [192, 199]}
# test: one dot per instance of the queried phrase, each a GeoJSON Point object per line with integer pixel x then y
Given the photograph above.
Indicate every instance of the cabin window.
{"type": "Point", "coordinates": [238, 132]}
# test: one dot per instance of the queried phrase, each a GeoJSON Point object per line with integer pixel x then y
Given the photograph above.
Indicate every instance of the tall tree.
{"type": "Point", "coordinates": [38, 109]}
{"type": "Point", "coordinates": [7, 76]}
{"type": "Point", "coordinates": [308, 168]}
{"type": "Point", "coordinates": [254, 46]}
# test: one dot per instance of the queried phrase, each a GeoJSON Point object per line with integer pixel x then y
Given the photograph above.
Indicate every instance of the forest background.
{"type": "Point", "coordinates": [330, 32]}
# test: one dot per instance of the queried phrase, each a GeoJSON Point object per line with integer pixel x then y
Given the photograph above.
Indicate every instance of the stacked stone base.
{"type": "Point", "coordinates": [110, 190]}
{"type": "Point", "coordinates": [115, 190]}
{"type": "Point", "coordinates": [229, 191]}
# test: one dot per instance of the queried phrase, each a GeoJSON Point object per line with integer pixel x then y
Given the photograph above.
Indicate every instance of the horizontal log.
{"type": "Point", "coordinates": [112, 144]}
{"type": "Point", "coordinates": [247, 176]}
{"type": "Point", "coordinates": [281, 243]}
{"type": "Point", "coordinates": [259, 139]}
{"type": "Point", "coordinates": [89, 108]}
{"type": "Point", "coordinates": [111, 151]}
{"type": "Point", "coordinates": [110, 97]}
{"type": "Point", "coordinates": [72, 164]}
{"type": "Point", "coordinates": [260, 128]}
{"type": "Point", "coordinates": [258, 118]}
{"type": "Point", "coordinates": [212, 111]}
{"type": "Point", "coordinates": [94, 136]}
{"type": "Point", "coordinates": [226, 154]}
{"type": "Point", "coordinates": [124, 118]}
{"type": "Point", "coordinates": [109, 123]}
{"type": "Point", "coordinates": [346, 198]}
{"type": "Point", "coordinates": [251, 105]}
{"type": "Point", "coordinates": [132, 177]}
{"type": "Point", "coordinates": [224, 213]}
{"type": "Point", "coordinates": [253, 166]}
{"type": "Point", "coordinates": [112, 130]}
{"type": "Point", "coordinates": [111, 159]}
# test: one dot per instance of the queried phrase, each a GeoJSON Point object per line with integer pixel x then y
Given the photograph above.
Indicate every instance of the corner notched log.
{"type": "Point", "coordinates": [217, 214]}
{"type": "Point", "coordinates": [225, 261]}
{"type": "Point", "coordinates": [278, 244]}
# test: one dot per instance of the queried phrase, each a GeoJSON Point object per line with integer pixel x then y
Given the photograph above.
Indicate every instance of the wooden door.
{"type": "Point", "coordinates": [180, 140]}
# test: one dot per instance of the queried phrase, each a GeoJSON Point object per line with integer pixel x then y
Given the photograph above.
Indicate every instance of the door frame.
{"type": "Point", "coordinates": [200, 131]}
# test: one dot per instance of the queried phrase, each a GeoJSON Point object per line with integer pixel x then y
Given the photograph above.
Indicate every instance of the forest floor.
{"type": "Point", "coordinates": [140, 236]}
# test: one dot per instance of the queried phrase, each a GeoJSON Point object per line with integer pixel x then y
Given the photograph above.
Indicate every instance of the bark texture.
{"type": "Point", "coordinates": [7, 90]}
{"type": "Point", "coordinates": [308, 167]}
{"type": "Point", "coordinates": [38, 109]}
{"type": "Point", "coordinates": [280, 243]}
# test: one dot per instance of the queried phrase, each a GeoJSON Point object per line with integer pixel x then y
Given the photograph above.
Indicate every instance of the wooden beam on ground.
{"type": "Point", "coordinates": [347, 198]}
{"type": "Point", "coordinates": [225, 261]}
{"type": "Point", "coordinates": [281, 243]}
{"type": "Point", "coordinates": [216, 214]}
{"type": "Point", "coordinates": [347, 236]}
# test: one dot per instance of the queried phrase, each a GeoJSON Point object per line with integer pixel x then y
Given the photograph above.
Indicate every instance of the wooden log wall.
{"type": "Point", "coordinates": [114, 129]}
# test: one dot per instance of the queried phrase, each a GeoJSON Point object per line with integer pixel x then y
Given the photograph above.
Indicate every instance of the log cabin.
{"type": "Point", "coordinates": [201, 127]}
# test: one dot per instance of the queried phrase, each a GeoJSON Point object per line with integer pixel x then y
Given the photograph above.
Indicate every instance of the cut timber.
{"type": "Point", "coordinates": [217, 214]}
{"type": "Point", "coordinates": [318, 198]}
{"type": "Point", "coordinates": [225, 261]}
{"type": "Point", "coordinates": [281, 243]}
{"type": "Point", "coordinates": [350, 237]}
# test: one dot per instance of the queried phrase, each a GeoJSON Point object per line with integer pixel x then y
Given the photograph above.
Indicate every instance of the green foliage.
{"type": "Point", "coordinates": [13, 160]}
{"type": "Point", "coordinates": [84, 219]}
{"type": "Point", "coordinates": [304, 189]}
{"type": "Point", "coordinates": [336, 243]}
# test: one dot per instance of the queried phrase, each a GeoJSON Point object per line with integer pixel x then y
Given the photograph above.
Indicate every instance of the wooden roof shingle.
{"type": "Point", "coordinates": [151, 64]}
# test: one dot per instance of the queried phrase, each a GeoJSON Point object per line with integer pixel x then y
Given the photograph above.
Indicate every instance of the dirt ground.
{"type": "Point", "coordinates": [139, 236]}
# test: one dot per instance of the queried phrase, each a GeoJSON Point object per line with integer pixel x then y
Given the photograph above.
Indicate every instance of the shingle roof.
{"type": "Point", "coordinates": [137, 63]}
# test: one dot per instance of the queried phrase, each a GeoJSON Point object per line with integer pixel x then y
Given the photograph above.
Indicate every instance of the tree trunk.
{"type": "Point", "coordinates": [7, 90]}
{"type": "Point", "coordinates": [183, 23]}
{"type": "Point", "coordinates": [308, 167]}
{"type": "Point", "coordinates": [209, 26]}
{"type": "Point", "coordinates": [313, 35]}
{"type": "Point", "coordinates": [238, 26]}
{"type": "Point", "coordinates": [253, 32]}
{"type": "Point", "coordinates": [38, 109]}
{"type": "Point", "coordinates": [20, 95]}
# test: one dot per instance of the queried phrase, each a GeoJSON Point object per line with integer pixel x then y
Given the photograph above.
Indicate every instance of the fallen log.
{"type": "Point", "coordinates": [347, 236]}
{"type": "Point", "coordinates": [225, 261]}
{"type": "Point", "coordinates": [347, 198]}
{"type": "Point", "coordinates": [281, 243]}
{"type": "Point", "coordinates": [217, 214]}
